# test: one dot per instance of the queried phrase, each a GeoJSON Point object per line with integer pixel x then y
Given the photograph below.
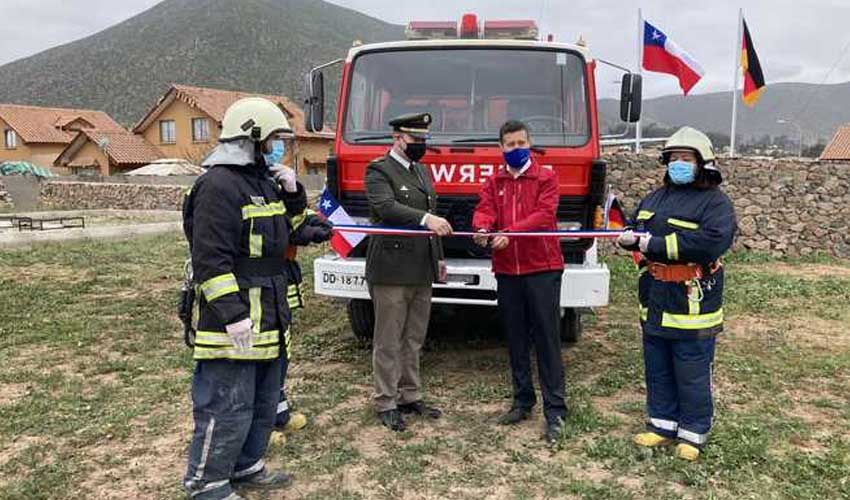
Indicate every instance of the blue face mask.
{"type": "Point", "coordinates": [681, 172]}
{"type": "Point", "coordinates": [516, 158]}
{"type": "Point", "coordinates": [278, 150]}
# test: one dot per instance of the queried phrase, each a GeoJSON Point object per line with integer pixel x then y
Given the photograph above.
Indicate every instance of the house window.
{"type": "Point", "coordinates": [200, 129]}
{"type": "Point", "coordinates": [11, 139]}
{"type": "Point", "coordinates": [167, 132]}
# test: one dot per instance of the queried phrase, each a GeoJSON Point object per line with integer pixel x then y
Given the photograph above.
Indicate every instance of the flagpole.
{"type": "Point", "coordinates": [736, 75]}
{"type": "Point", "coordinates": [639, 72]}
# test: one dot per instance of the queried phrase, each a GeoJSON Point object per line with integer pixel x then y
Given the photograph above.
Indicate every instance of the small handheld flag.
{"type": "Point", "coordinates": [341, 242]}
{"type": "Point", "coordinates": [615, 217]}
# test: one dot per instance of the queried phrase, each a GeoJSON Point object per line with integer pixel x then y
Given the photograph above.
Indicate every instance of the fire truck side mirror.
{"type": "Point", "coordinates": [314, 105]}
{"type": "Point", "coordinates": [630, 98]}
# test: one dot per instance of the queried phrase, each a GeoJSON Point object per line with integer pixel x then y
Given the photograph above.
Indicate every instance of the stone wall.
{"type": "Point", "coordinates": [5, 199]}
{"type": "Point", "coordinates": [785, 207]}
{"type": "Point", "coordinates": [83, 195]}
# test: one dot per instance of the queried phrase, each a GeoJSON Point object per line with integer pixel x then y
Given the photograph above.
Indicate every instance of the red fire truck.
{"type": "Point", "coordinates": [471, 77]}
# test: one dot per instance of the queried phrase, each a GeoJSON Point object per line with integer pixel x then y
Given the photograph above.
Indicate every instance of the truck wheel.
{"type": "Point", "coordinates": [570, 326]}
{"type": "Point", "coordinates": [361, 317]}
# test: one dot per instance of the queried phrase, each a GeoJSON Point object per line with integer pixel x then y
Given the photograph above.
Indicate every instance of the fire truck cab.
{"type": "Point", "coordinates": [471, 77]}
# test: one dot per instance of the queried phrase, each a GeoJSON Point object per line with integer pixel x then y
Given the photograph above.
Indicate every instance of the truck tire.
{"type": "Point", "coordinates": [570, 325]}
{"type": "Point", "coordinates": [361, 317]}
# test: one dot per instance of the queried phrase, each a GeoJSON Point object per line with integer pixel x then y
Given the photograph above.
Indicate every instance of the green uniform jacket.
{"type": "Point", "coordinates": [400, 197]}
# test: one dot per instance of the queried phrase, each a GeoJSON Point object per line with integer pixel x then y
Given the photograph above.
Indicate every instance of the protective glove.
{"type": "Point", "coordinates": [627, 240]}
{"type": "Point", "coordinates": [241, 334]}
{"type": "Point", "coordinates": [323, 228]}
{"type": "Point", "coordinates": [643, 244]}
{"type": "Point", "coordinates": [285, 176]}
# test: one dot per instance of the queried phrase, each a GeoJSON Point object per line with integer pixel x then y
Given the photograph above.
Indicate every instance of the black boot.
{"type": "Point", "coordinates": [419, 408]}
{"type": "Point", "coordinates": [514, 416]}
{"type": "Point", "coordinates": [392, 419]}
{"type": "Point", "coordinates": [263, 480]}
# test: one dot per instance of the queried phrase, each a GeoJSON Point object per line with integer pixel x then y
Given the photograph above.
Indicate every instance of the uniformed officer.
{"type": "Point", "coordinates": [691, 224]}
{"type": "Point", "coordinates": [400, 270]}
{"type": "Point", "coordinates": [235, 218]}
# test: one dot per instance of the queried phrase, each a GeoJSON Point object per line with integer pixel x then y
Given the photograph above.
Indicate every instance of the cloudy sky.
{"type": "Point", "coordinates": [797, 41]}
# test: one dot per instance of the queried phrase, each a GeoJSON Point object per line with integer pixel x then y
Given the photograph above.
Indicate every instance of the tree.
{"type": "Point", "coordinates": [814, 151]}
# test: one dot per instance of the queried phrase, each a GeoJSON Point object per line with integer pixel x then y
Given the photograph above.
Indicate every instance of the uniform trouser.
{"type": "Point", "coordinates": [678, 387]}
{"type": "Point", "coordinates": [530, 309]}
{"type": "Point", "coordinates": [234, 410]}
{"type": "Point", "coordinates": [401, 323]}
{"type": "Point", "coordinates": [283, 413]}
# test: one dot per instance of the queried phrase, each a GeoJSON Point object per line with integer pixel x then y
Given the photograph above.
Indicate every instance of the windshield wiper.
{"type": "Point", "coordinates": [475, 139]}
{"type": "Point", "coordinates": [487, 140]}
{"type": "Point", "coordinates": [373, 137]}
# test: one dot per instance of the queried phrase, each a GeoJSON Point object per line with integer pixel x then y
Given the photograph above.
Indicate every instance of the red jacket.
{"type": "Point", "coordinates": [527, 203]}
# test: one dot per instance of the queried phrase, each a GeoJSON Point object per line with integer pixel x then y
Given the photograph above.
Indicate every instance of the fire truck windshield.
{"type": "Point", "coordinates": [470, 93]}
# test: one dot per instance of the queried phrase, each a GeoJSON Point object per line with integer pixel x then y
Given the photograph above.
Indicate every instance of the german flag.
{"type": "Point", "coordinates": [753, 77]}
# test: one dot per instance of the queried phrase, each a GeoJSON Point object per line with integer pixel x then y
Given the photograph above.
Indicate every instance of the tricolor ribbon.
{"type": "Point", "coordinates": [396, 231]}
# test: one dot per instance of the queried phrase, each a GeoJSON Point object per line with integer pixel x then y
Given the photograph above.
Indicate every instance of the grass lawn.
{"type": "Point", "coordinates": [94, 399]}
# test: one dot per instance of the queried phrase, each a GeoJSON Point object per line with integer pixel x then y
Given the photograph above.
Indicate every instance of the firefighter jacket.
{"type": "Point", "coordinates": [239, 222]}
{"type": "Point", "coordinates": [688, 225]}
{"type": "Point", "coordinates": [526, 203]}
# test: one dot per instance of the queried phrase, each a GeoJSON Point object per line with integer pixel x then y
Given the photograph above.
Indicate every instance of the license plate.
{"type": "Point", "coordinates": [343, 281]}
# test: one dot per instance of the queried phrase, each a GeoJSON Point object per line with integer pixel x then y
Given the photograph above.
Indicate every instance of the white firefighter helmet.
{"type": "Point", "coordinates": [253, 118]}
{"type": "Point", "coordinates": [689, 139]}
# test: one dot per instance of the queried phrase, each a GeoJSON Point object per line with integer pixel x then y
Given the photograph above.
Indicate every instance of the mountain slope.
{"type": "Point", "coordinates": [818, 109]}
{"type": "Point", "coordinates": [257, 45]}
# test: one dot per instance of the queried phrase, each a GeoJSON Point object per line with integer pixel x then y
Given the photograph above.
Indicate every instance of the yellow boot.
{"type": "Point", "coordinates": [651, 440]}
{"type": "Point", "coordinates": [687, 452]}
{"type": "Point", "coordinates": [278, 438]}
{"type": "Point", "coordinates": [297, 421]}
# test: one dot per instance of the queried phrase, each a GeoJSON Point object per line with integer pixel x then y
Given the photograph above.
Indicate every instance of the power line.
{"type": "Point", "coordinates": [825, 78]}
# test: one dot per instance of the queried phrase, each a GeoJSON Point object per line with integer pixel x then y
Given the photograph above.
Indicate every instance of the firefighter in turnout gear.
{"type": "Point", "coordinates": [690, 224]}
{"type": "Point", "coordinates": [237, 220]}
{"type": "Point", "coordinates": [311, 229]}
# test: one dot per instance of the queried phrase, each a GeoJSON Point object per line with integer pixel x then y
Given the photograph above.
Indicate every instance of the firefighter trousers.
{"type": "Point", "coordinates": [678, 387]}
{"type": "Point", "coordinates": [283, 411]}
{"type": "Point", "coordinates": [234, 410]}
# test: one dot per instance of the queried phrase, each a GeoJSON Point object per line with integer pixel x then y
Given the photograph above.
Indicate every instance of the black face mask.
{"type": "Point", "coordinates": [414, 150]}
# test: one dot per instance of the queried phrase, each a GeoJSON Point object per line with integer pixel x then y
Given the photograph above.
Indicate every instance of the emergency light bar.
{"type": "Point", "coordinates": [515, 30]}
{"type": "Point", "coordinates": [425, 30]}
{"type": "Point", "coordinates": [469, 27]}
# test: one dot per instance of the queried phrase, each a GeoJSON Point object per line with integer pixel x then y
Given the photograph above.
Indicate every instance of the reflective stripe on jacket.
{"type": "Point", "coordinates": [235, 218]}
{"type": "Point", "coordinates": [688, 225]}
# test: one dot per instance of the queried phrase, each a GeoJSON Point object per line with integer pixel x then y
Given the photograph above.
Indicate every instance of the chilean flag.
{"type": "Point", "coordinates": [662, 55]}
{"type": "Point", "coordinates": [342, 243]}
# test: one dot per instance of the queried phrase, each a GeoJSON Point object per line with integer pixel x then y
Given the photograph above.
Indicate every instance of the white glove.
{"type": "Point", "coordinates": [241, 333]}
{"type": "Point", "coordinates": [285, 176]}
{"type": "Point", "coordinates": [643, 244]}
{"type": "Point", "coordinates": [627, 239]}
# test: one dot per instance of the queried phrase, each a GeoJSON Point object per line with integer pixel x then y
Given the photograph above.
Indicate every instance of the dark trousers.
{"type": "Point", "coordinates": [678, 387]}
{"type": "Point", "coordinates": [234, 410]}
{"type": "Point", "coordinates": [530, 310]}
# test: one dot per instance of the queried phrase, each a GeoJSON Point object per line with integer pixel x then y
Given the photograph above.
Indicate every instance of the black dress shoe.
{"type": "Point", "coordinates": [552, 432]}
{"type": "Point", "coordinates": [393, 420]}
{"type": "Point", "coordinates": [419, 408]}
{"type": "Point", "coordinates": [514, 416]}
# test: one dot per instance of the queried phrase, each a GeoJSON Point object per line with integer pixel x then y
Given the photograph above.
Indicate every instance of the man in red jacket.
{"type": "Point", "coordinates": [523, 196]}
